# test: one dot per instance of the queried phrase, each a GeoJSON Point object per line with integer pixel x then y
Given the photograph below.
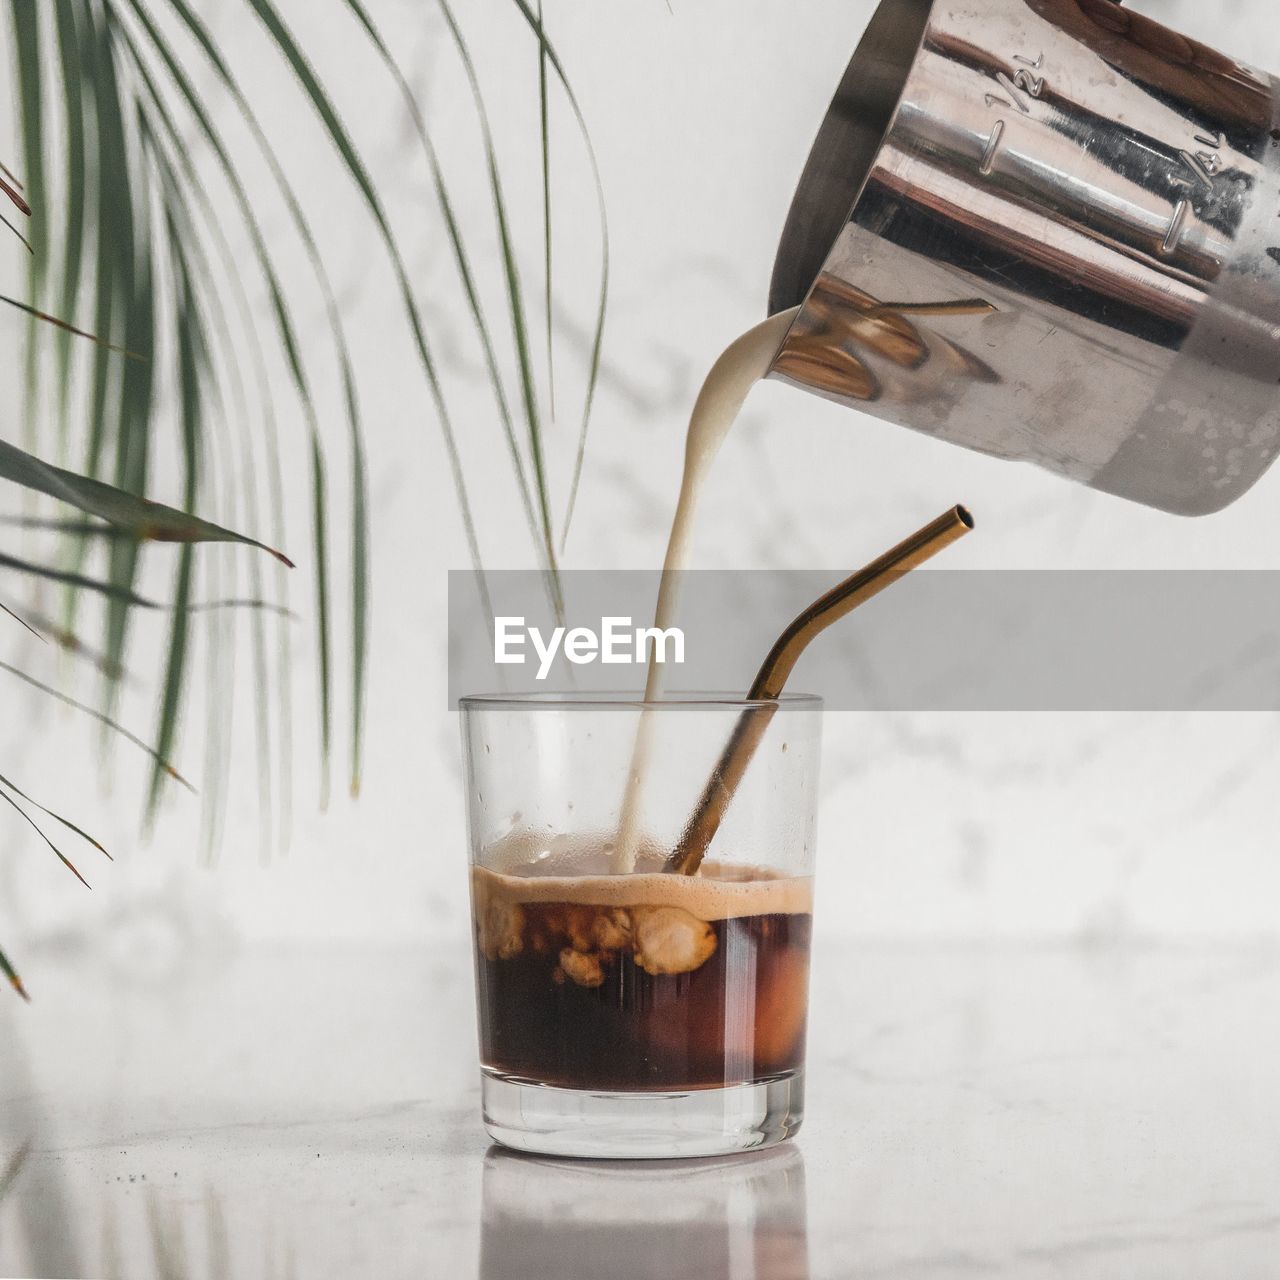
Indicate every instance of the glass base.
{"type": "Point", "coordinates": [641, 1126]}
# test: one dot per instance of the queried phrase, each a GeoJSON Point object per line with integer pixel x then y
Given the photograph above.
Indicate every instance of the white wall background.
{"type": "Point", "coordinates": [1086, 827]}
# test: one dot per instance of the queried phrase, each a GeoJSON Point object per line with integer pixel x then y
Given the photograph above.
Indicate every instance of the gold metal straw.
{"type": "Point", "coordinates": [853, 591]}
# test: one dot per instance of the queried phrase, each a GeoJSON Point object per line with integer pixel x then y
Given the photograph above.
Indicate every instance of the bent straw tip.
{"type": "Point", "coordinates": [769, 682]}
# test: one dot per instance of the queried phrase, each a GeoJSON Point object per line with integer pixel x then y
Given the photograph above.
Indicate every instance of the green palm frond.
{"type": "Point", "coordinates": [127, 248]}
{"type": "Point", "coordinates": [57, 817]}
{"type": "Point", "coordinates": [106, 721]}
{"type": "Point", "coordinates": [35, 826]}
{"type": "Point", "coordinates": [547, 50]}
{"type": "Point", "coordinates": [20, 620]}
{"type": "Point", "coordinates": [544, 126]}
{"type": "Point", "coordinates": [123, 511]}
{"type": "Point", "coordinates": [16, 983]}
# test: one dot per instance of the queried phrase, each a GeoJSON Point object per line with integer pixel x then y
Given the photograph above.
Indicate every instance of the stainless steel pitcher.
{"type": "Point", "coordinates": [1048, 230]}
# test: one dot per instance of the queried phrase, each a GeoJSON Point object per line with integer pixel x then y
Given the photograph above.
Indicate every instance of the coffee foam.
{"type": "Point", "coordinates": [524, 868]}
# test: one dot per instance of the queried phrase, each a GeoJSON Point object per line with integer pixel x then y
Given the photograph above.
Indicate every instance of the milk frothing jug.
{"type": "Point", "coordinates": [1047, 230]}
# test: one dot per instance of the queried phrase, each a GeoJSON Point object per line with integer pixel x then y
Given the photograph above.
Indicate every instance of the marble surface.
{"type": "Point", "coordinates": [1027, 1112]}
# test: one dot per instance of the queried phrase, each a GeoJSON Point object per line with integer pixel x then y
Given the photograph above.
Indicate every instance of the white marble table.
{"type": "Point", "coordinates": [312, 1113]}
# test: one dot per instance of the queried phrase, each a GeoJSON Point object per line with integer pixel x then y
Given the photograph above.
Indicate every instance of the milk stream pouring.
{"type": "Point", "coordinates": [1047, 230]}
{"type": "Point", "coordinates": [742, 364]}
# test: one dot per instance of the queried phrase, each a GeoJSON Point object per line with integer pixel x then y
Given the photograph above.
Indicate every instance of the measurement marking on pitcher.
{"type": "Point", "coordinates": [1020, 90]}
{"type": "Point", "coordinates": [1201, 167]}
{"type": "Point", "coordinates": [1176, 225]}
{"type": "Point", "coordinates": [1205, 165]}
{"type": "Point", "coordinates": [1017, 98]}
{"type": "Point", "coordinates": [1023, 86]}
{"type": "Point", "coordinates": [993, 145]}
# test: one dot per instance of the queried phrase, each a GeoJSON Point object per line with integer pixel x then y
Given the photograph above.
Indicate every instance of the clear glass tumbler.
{"type": "Point", "coordinates": [625, 1010]}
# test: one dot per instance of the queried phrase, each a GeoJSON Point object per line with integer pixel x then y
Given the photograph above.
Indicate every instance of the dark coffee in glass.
{"type": "Point", "coordinates": [646, 982]}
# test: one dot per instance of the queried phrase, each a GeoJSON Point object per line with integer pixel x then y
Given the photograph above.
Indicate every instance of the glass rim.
{"type": "Point", "coordinates": [560, 700]}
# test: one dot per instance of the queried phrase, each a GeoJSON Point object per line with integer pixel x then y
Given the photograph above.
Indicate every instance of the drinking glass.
{"type": "Point", "coordinates": [624, 1010]}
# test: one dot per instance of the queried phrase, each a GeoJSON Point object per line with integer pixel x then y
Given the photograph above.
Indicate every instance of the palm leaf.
{"type": "Point", "coordinates": [73, 239]}
{"type": "Point", "coordinates": [18, 618]}
{"type": "Point", "coordinates": [16, 199]}
{"type": "Point", "coordinates": [177, 172]}
{"type": "Point", "coordinates": [466, 277]}
{"type": "Point", "coordinates": [597, 342]}
{"type": "Point", "coordinates": [57, 817]}
{"type": "Point", "coordinates": [184, 233]}
{"type": "Point", "coordinates": [67, 328]}
{"type": "Point", "coordinates": [126, 201]}
{"type": "Point", "coordinates": [26, 32]}
{"type": "Point", "coordinates": [67, 525]}
{"type": "Point", "coordinates": [16, 983]}
{"type": "Point", "coordinates": [139, 517]}
{"type": "Point", "coordinates": [31, 822]}
{"type": "Point", "coordinates": [461, 259]}
{"type": "Point", "coordinates": [284, 326]}
{"type": "Point", "coordinates": [515, 306]}
{"type": "Point", "coordinates": [105, 281]}
{"type": "Point", "coordinates": [134, 437]}
{"type": "Point", "coordinates": [189, 396]}
{"type": "Point", "coordinates": [25, 242]}
{"type": "Point", "coordinates": [544, 119]}
{"type": "Point", "coordinates": [50, 629]}
{"type": "Point", "coordinates": [354, 165]}
{"type": "Point", "coordinates": [101, 717]}
{"type": "Point", "coordinates": [119, 594]}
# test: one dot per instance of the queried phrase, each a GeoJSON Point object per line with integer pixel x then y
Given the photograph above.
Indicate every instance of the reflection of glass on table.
{"type": "Point", "coordinates": [720, 1219]}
